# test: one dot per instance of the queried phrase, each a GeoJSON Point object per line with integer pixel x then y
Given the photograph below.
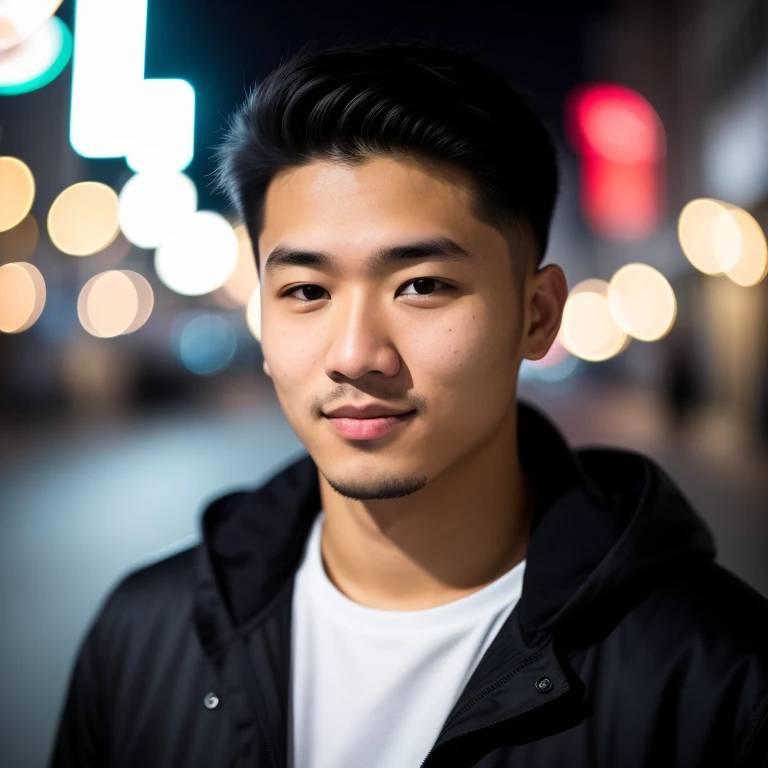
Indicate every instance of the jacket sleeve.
{"type": "Point", "coordinates": [80, 737]}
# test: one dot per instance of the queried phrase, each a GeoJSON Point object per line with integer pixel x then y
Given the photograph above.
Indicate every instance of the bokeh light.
{"type": "Point", "coordinates": [22, 296]}
{"type": "Point", "coordinates": [726, 238]}
{"type": "Point", "coordinates": [162, 132]}
{"type": "Point", "coordinates": [83, 219]}
{"type": "Point", "coordinates": [145, 297]}
{"type": "Point", "coordinates": [205, 343]}
{"type": "Point", "coordinates": [244, 280]}
{"type": "Point", "coordinates": [36, 61]}
{"type": "Point", "coordinates": [704, 229]}
{"type": "Point", "coordinates": [115, 303]}
{"type": "Point", "coordinates": [621, 145]}
{"type": "Point", "coordinates": [151, 203]}
{"type": "Point", "coordinates": [589, 329]}
{"type": "Point", "coordinates": [17, 192]}
{"type": "Point", "coordinates": [108, 304]}
{"type": "Point", "coordinates": [751, 266]}
{"type": "Point", "coordinates": [556, 366]}
{"type": "Point", "coordinates": [642, 302]}
{"type": "Point", "coordinates": [559, 372]}
{"type": "Point", "coordinates": [253, 314]}
{"type": "Point", "coordinates": [19, 243]}
{"type": "Point", "coordinates": [615, 122]}
{"type": "Point", "coordinates": [198, 255]}
{"type": "Point", "coordinates": [720, 238]}
{"type": "Point", "coordinates": [18, 20]}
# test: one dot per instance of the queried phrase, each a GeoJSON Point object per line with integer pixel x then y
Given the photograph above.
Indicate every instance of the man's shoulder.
{"type": "Point", "coordinates": [711, 610]}
{"type": "Point", "coordinates": [710, 590]}
{"type": "Point", "coordinates": [160, 591]}
{"type": "Point", "coordinates": [163, 574]}
{"type": "Point", "coordinates": [701, 640]}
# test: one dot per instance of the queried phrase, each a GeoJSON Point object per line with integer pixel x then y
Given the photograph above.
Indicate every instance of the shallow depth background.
{"type": "Point", "coordinates": [110, 448]}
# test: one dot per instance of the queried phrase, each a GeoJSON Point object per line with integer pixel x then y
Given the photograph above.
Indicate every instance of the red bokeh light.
{"type": "Point", "coordinates": [620, 141]}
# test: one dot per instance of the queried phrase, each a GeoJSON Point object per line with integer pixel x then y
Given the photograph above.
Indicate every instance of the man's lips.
{"type": "Point", "coordinates": [364, 412]}
{"type": "Point", "coordinates": [376, 422]}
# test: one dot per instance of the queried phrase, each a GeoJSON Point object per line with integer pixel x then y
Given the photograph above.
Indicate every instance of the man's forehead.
{"type": "Point", "coordinates": [326, 181]}
{"type": "Point", "coordinates": [355, 211]}
{"type": "Point", "coordinates": [360, 204]}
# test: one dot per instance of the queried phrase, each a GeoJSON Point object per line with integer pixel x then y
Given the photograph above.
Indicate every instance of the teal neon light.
{"type": "Point", "coordinates": [115, 111]}
{"type": "Point", "coordinates": [107, 67]}
{"type": "Point", "coordinates": [55, 34]}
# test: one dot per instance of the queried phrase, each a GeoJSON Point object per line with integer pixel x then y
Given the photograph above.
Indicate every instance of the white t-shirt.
{"type": "Point", "coordinates": [372, 688]}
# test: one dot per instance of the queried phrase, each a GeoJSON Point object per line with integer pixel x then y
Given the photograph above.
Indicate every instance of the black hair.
{"type": "Point", "coordinates": [415, 100]}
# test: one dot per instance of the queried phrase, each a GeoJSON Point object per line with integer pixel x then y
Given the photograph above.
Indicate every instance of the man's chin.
{"type": "Point", "coordinates": [391, 487]}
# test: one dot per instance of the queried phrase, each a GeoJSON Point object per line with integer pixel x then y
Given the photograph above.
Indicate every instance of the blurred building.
{"type": "Point", "coordinates": [703, 64]}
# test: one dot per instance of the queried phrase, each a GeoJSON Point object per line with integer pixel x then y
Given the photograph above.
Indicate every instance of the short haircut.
{"type": "Point", "coordinates": [415, 100]}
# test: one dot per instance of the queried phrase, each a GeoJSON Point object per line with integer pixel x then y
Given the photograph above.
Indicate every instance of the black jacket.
{"type": "Point", "coordinates": [629, 646]}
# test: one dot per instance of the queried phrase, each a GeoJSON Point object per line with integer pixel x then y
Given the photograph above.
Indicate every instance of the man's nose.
{"type": "Point", "coordinates": [360, 341]}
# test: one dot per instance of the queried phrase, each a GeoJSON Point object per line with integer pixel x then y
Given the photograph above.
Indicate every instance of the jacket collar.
{"type": "Point", "coordinates": [604, 519]}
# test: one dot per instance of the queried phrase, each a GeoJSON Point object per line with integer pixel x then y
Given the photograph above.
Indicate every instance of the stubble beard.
{"type": "Point", "coordinates": [381, 488]}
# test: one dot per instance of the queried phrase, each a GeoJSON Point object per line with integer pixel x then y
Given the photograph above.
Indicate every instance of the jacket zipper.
{"type": "Point", "coordinates": [489, 725]}
{"type": "Point", "coordinates": [484, 693]}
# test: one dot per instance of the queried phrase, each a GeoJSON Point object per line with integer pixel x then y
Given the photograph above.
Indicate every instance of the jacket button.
{"type": "Point", "coordinates": [544, 685]}
{"type": "Point", "coordinates": [211, 701]}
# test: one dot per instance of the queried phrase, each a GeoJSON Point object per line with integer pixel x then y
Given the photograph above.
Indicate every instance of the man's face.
{"type": "Point", "coordinates": [434, 337]}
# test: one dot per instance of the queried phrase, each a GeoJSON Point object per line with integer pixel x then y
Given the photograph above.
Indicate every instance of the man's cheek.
{"type": "Point", "coordinates": [452, 359]}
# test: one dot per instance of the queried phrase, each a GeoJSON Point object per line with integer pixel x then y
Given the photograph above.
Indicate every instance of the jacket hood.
{"type": "Point", "coordinates": [607, 524]}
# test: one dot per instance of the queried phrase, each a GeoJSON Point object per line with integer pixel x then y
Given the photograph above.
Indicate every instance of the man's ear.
{"type": "Point", "coordinates": [266, 369]}
{"type": "Point", "coordinates": [545, 295]}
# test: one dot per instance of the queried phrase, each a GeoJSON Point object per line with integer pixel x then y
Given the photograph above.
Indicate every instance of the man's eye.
{"type": "Point", "coordinates": [307, 292]}
{"type": "Point", "coordinates": [422, 286]}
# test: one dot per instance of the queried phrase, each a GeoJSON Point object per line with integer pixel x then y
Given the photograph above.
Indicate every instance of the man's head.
{"type": "Point", "coordinates": [399, 199]}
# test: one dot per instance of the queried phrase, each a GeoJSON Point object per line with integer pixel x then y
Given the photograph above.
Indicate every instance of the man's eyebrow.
{"type": "Point", "coordinates": [439, 247]}
{"type": "Point", "coordinates": [282, 256]}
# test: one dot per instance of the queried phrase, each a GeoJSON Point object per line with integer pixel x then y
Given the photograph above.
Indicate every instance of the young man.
{"type": "Point", "coordinates": [441, 581]}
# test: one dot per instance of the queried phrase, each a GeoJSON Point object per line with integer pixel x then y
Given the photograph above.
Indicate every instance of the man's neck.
{"type": "Point", "coordinates": [459, 533]}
